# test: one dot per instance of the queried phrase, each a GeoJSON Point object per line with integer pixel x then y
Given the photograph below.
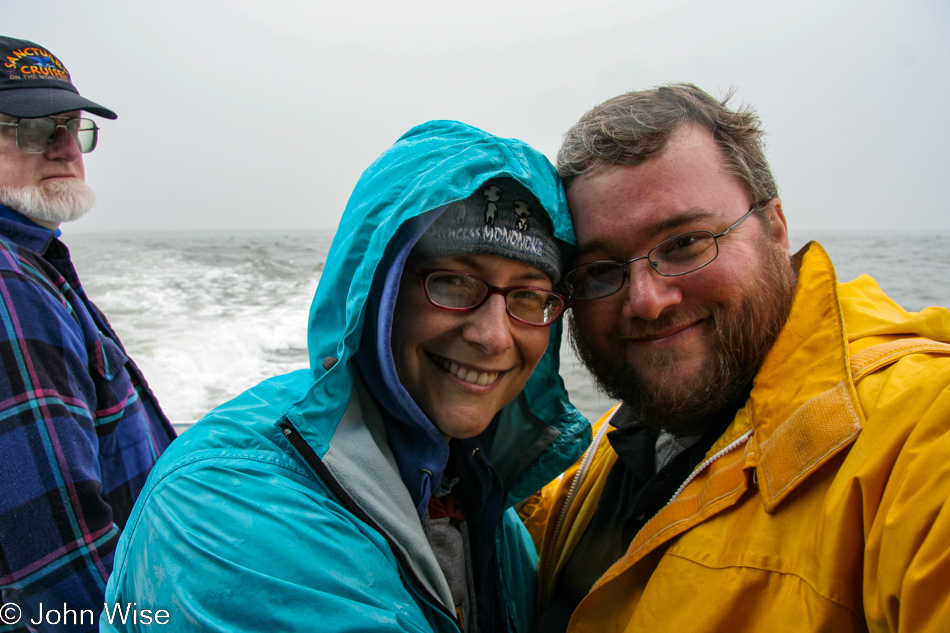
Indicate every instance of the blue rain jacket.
{"type": "Point", "coordinates": [295, 506]}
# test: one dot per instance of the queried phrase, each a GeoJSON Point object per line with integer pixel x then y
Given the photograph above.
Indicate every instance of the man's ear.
{"type": "Point", "coordinates": [779, 226]}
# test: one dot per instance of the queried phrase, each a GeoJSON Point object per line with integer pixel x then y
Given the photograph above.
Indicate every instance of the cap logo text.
{"type": "Point", "coordinates": [33, 62]}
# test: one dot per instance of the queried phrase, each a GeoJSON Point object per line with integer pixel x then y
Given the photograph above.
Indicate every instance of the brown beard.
{"type": "Point", "coordinates": [743, 336]}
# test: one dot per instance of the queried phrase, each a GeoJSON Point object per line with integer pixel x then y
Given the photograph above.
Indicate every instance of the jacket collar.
{"type": "Point", "coordinates": [25, 232]}
{"type": "Point", "coordinates": [361, 460]}
{"type": "Point", "coordinates": [804, 407]}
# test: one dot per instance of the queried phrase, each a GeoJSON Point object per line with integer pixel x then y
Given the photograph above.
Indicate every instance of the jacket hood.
{"type": "Point", "coordinates": [432, 165]}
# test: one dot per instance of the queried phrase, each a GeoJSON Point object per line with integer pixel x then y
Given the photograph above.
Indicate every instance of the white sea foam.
{"type": "Point", "coordinates": [205, 316]}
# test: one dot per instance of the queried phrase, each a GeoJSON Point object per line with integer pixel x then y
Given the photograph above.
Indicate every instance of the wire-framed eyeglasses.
{"type": "Point", "coordinates": [461, 291]}
{"type": "Point", "coordinates": [36, 135]}
{"type": "Point", "coordinates": [678, 255]}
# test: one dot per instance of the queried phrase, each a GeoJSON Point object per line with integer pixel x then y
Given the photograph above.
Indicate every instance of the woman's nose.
{"type": "Point", "coordinates": [489, 326]}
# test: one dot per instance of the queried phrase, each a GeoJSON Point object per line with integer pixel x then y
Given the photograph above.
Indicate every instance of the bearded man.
{"type": "Point", "coordinates": [79, 427]}
{"type": "Point", "coordinates": [780, 458]}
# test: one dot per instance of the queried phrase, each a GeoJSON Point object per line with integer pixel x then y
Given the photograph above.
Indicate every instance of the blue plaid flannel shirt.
{"type": "Point", "coordinates": [79, 432]}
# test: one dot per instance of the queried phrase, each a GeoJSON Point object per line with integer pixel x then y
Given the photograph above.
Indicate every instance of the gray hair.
{"type": "Point", "coordinates": [636, 126]}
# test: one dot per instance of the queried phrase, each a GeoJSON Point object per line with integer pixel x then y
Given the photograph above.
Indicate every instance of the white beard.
{"type": "Point", "coordinates": [55, 201]}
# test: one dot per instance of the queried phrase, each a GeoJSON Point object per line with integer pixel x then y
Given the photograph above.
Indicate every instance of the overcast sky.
{"type": "Point", "coordinates": [246, 114]}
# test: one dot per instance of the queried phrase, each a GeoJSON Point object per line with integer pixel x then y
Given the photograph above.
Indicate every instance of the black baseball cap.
{"type": "Point", "coordinates": [34, 83]}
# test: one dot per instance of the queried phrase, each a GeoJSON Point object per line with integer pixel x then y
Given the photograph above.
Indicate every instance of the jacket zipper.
{"type": "Point", "coordinates": [579, 477]}
{"type": "Point", "coordinates": [313, 460]}
{"type": "Point", "coordinates": [726, 449]}
{"type": "Point", "coordinates": [582, 473]}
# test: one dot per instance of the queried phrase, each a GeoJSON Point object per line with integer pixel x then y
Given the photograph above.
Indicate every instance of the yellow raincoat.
{"type": "Point", "coordinates": [825, 506]}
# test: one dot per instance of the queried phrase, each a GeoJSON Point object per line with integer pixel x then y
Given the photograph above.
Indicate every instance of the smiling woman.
{"type": "Point", "coordinates": [374, 490]}
{"type": "Point", "coordinates": [463, 346]}
{"type": "Point", "coordinates": [461, 368]}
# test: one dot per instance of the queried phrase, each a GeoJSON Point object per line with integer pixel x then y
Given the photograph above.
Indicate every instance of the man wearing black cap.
{"type": "Point", "coordinates": [79, 427]}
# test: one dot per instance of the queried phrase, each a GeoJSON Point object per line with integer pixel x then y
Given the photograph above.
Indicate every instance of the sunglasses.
{"type": "Point", "coordinates": [36, 135]}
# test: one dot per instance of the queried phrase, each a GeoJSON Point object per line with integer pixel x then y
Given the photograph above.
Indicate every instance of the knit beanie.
{"type": "Point", "coordinates": [501, 218]}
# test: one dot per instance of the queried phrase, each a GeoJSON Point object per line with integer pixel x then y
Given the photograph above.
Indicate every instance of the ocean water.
{"type": "Point", "coordinates": [208, 315]}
